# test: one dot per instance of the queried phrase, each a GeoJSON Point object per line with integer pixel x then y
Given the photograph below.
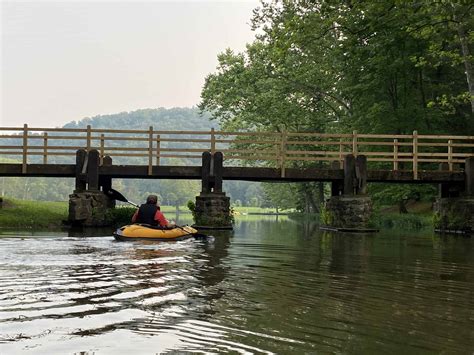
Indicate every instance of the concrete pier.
{"type": "Point", "coordinates": [349, 207]}
{"type": "Point", "coordinates": [454, 208]}
{"type": "Point", "coordinates": [88, 205]}
{"type": "Point", "coordinates": [212, 208]}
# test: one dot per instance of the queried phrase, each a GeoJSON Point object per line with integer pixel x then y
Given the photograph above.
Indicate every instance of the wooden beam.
{"type": "Point", "coordinates": [218, 168]}
{"type": "Point", "coordinates": [469, 171]}
{"type": "Point", "coordinates": [206, 172]}
{"type": "Point", "coordinates": [337, 186]}
{"type": "Point", "coordinates": [93, 170]}
{"type": "Point", "coordinates": [349, 175]}
{"type": "Point", "coordinates": [81, 181]}
{"type": "Point", "coordinates": [361, 174]}
{"type": "Point", "coordinates": [105, 182]}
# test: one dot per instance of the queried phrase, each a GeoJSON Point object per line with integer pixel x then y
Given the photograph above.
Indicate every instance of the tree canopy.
{"type": "Point", "coordinates": [336, 66]}
{"type": "Point", "coordinates": [385, 67]}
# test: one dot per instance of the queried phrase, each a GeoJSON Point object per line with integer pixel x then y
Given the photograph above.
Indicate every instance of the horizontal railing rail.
{"type": "Point", "coordinates": [413, 152]}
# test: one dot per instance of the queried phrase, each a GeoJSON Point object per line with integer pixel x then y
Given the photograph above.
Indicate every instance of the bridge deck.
{"type": "Point", "coordinates": [230, 173]}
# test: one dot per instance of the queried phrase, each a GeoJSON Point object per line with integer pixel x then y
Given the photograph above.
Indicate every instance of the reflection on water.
{"type": "Point", "coordinates": [271, 286]}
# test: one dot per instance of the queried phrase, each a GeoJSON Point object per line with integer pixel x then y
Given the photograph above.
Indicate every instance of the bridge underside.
{"type": "Point", "coordinates": [230, 173]}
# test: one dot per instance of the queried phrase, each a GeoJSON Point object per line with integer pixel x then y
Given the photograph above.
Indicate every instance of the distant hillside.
{"type": "Point", "coordinates": [178, 118]}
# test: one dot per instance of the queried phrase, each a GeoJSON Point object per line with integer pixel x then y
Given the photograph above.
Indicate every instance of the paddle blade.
{"type": "Point", "coordinates": [115, 195]}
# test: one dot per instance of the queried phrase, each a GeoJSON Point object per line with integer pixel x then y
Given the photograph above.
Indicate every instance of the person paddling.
{"type": "Point", "coordinates": [149, 213]}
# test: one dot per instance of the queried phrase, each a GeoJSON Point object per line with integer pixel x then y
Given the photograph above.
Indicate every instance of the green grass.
{"type": "Point", "coordinates": [402, 221]}
{"type": "Point", "coordinates": [32, 214]}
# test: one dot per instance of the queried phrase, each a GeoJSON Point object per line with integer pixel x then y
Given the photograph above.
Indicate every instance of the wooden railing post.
{"type": "Point", "coordinates": [415, 155]}
{"type": "Point", "coordinates": [213, 141]}
{"type": "Point", "coordinates": [158, 143]}
{"type": "Point", "coordinates": [354, 143]}
{"type": "Point", "coordinates": [341, 153]}
{"type": "Point", "coordinates": [25, 148]}
{"type": "Point", "coordinates": [102, 149]}
{"type": "Point", "coordinates": [88, 138]}
{"type": "Point", "coordinates": [395, 154]}
{"type": "Point", "coordinates": [282, 153]}
{"type": "Point", "coordinates": [450, 154]}
{"type": "Point", "coordinates": [45, 148]}
{"type": "Point", "coordinates": [150, 150]}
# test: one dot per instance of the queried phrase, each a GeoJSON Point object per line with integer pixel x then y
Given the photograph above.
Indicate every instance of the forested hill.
{"type": "Point", "coordinates": [178, 118]}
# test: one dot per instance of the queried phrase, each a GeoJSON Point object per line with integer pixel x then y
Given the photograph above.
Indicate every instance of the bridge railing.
{"type": "Point", "coordinates": [149, 147]}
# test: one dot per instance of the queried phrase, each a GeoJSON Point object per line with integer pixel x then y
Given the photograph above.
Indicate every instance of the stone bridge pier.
{"type": "Point", "coordinates": [454, 207]}
{"type": "Point", "coordinates": [349, 207]}
{"type": "Point", "coordinates": [212, 208]}
{"type": "Point", "coordinates": [88, 204]}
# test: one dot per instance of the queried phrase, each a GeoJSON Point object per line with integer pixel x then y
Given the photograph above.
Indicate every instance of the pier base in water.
{"type": "Point", "coordinates": [454, 215]}
{"type": "Point", "coordinates": [347, 212]}
{"type": "Point", "coordinates": [89, 208]}
{"type": "Point", "coordinates": [212, 210]}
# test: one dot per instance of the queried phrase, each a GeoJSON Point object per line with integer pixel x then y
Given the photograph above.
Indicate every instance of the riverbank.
{"type": "Point", "coordinates": [32, 214]}
{"type": "Point", "coordinates": [42, 214]}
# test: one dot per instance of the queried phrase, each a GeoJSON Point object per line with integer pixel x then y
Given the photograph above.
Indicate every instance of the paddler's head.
{"type": "Point", "coordinates": [152, 200]}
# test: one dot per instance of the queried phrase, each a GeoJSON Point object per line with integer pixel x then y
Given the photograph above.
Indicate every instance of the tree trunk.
{"type": "Point", "coordinates": [320, 193]}
{"type": "Point", "coordinates": [467, 61]}
{"type": "Point", "coordinates": [309, 197]}
{"type": "Point", "coordinates": [402, 208]}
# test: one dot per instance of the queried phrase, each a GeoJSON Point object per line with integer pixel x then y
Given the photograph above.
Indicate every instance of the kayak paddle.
{"type": "Point", "coordinates": [115, 195]}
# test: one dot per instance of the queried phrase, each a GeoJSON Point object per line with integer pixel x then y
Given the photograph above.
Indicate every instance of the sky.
{"type": "Point", "coordinates": [65, 60]}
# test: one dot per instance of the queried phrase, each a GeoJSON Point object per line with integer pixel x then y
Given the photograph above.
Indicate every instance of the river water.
{"type": "Point", "coordinates": [271, 286]}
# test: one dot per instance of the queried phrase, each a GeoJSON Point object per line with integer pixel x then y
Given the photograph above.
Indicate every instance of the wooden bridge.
{"type": "Point", "coordinates": [95, 156]}
{"type": "Point", "coordinates": [252, 156]}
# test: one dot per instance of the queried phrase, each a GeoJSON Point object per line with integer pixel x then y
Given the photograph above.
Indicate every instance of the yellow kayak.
{"type": "Point", "coordinates": [145, 232]}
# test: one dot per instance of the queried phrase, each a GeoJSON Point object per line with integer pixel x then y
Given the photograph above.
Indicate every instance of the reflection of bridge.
{"type": "Point", "coordinates": [348, 161]}
{"type": "Point", "coordinates": [272, 156]}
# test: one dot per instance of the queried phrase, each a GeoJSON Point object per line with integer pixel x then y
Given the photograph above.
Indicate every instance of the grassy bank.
{"type": "Point", "coordinates": [420, 215]}
{"type": "Point", "coordinates": [32, 214]}
{"type": "Point", "coordinates": [41, 214]}
{"type": "Point", "coordinates": [402, 221]}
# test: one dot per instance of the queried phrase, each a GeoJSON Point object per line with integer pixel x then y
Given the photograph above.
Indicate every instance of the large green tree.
{"type": "Point", "coordinates": [378, 67]}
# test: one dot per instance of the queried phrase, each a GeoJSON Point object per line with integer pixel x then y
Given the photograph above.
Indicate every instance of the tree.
{"type": "Point", "coordinates": [335, 66]}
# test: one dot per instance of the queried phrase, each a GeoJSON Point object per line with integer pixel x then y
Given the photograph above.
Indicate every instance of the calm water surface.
{"type": "Point", "coordinates": [271, 286]}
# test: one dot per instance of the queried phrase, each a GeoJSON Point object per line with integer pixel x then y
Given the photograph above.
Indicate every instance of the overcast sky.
{"type": "Point", "coordinates": [63, 61]}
